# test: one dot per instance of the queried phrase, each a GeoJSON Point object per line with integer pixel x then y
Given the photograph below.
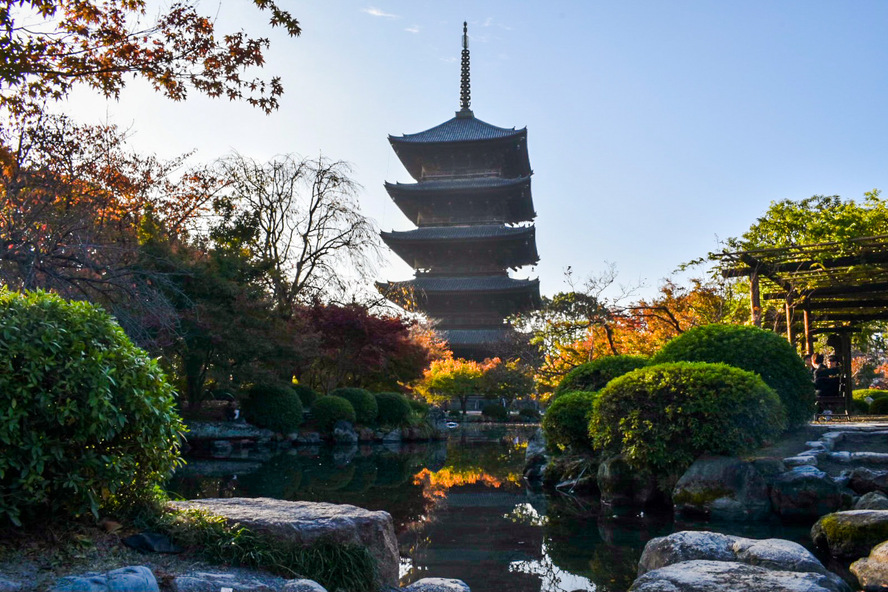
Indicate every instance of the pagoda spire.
{"type": "Point", "coordinates": [465, 88]}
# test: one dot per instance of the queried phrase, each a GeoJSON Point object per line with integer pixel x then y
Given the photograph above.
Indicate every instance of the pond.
{"type": "Point", "coordinates": [462, 510]}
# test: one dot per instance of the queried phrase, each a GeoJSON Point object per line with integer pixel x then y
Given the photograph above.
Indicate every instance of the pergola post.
{"type": "Point", "coordinates": [789, 336]}
{"type": "Point", "coordinates": [755, 300]}
{"type": "Point", "coordinates": [847, 377]}
{"type": "Point", "coordinates": [809, 338]}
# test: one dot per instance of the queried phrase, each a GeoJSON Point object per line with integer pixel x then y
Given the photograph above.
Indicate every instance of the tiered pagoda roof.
{"type": "Point", "coordinates": [473, 208]}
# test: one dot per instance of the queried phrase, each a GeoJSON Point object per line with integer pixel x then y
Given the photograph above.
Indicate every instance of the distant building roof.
{"type": "Point", "coordinates": [458, 184]}
{"type": "Point", "coordinates": [481, 283]}
{"type": "Point", "coordinates": [475, 336]}
{"type": "Point", "coordinates": [461, 232]}
{"type": "Point", "coordinates": [459, 129]}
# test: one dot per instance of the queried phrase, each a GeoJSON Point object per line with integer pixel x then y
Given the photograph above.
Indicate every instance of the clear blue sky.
{"type": "Point", "coordinates": [654, 128]}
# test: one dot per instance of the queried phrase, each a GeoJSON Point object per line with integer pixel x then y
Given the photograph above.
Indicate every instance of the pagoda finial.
{"type": "Point", "coordinates": [465, 90]}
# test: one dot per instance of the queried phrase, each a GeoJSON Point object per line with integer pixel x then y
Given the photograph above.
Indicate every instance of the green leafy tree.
{"type": "Point", "coordinates": [507, 381]}
{"type": "Point", "coordinates": [452, 378]}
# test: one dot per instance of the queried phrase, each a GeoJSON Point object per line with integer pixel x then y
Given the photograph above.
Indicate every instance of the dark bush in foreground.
{"type": "Point", "coordinates": [529, 414]}
{"type": "Point", "coordinates": [363, 402]}
{"type": "Point", "coordinates": [767, 354]}
{"type": "Point", "coordinates": [306, 394]}
{"type": "Point", "coordinates": [329, 409]}
{"type": "Point", "coordinates": [566, 422]}
{"type": "Point", "coordinates": [661, 418]}
{"type": "Point", "coordinates": [593, 376]}
{"type": "Point", "coordinates": [879, 406]}
{"type": "Point", "coordinates": [273, 407]}
{"type": "Point", "coordinates": [495, 412]}
{"type": "Point", "coordinates": [394, 409]}
{"type": "Point", "coordinates": [87, 419]}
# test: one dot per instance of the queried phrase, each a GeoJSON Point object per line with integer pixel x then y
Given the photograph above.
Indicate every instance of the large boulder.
{"type": "Point", "coordinates": [437, 585]}
{"type": "Point", "coordinates": [852, 534]}
{"type": "Point", "coordinates": [730, 576]}
{"type": "Point", "coordinates": [693, 561]}
{"type": "Point", "coordinates": [242, 581]}
{"type": "Point", "coordinates": [874, 500]}
{"type": "Point", "coordinates": [136, 578]}
{"type": "Point", "coordinates": [872, 571]}
{"type": "Point", "coordinates": [807, 493]}
{"type": "Point", "coordinates": [722, 488]}
{"type": "Point", "coordinates": [862, 480]}
{"type": "Point", "coordinates": [622, 486]}
{"type": "Point", "coordinates": [304, 523]}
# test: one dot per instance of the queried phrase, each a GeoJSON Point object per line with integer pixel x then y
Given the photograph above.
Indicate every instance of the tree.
{"type": "Point", "coordinates": [452, 378]}
{"type": "Point", "coordinates": [48, 46]}
{"type": "Point", "coordinates": [357, 348]}
{"type": "Point", "coordinates": [507, 380]}
{"type": "Point", "coordinates": [300, 221]}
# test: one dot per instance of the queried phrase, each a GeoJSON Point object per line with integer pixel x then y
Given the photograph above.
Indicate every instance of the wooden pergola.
{"type": "Point", "coordinates": [836, 288]}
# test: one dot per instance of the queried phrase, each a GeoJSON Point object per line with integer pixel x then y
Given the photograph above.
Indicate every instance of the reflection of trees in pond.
{"type": "Point", "coordinates": [279, 478]}
{"type": "Point", "coordinates": [597, 546]}
{"type": "Point", "coordinates": [327, 477]}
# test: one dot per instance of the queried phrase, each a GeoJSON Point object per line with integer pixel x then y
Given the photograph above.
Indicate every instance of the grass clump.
{"type": "Point", "coordinates": [350, 568]}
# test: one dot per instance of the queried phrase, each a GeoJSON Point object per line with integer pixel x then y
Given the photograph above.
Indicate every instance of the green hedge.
{"type": "Point", "coordinates": [394, 409]}
{"type": "Point", "coordinates": [363, 402]}
{"type": "Point", "coordinates": [879, 406]}
{"type": "Point", "coordinates": [329, 409]}
{"type": "Point", "coordinates": [306, 394]}
{"type": "Point", "coordinates": [566, 422]}
{"type": "Point", "coordinates": [767, 354]}
{"type": "Point", "coordinates": [87, 419]}
{"type": "Point", "coordinates": [594, 375]}
{"type": "Point", "coordinates": [495, 412]}
{"type": "Point", "coordinates": [661, 418]}
{"type": "Point", "coordinates": [274, 407]}
{"type": "Point", "coordinates": [421, 408]}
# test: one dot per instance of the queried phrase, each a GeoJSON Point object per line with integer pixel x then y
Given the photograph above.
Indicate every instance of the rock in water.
{"type": "Point", "coordinates": [872, 572]}
{"type": "Point", "coordinates": [729, 576]}
{"type": "Point", "coordinates": [722, 488]}
{"type": "Point", "coordinates": [852, 534]}
{"type": "Point", "coordinates": [304, 523]}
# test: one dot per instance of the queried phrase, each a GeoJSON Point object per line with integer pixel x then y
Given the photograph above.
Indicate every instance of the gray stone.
{"type": "Point", "coordinates": [779, 554]}
{"type": "Point", "coordinates": [806, 493]}
{"type": "Point", "coordinates": [151, 542]}
{"type": "Point", "coordinates": [7, 585]}
{"type": "Point", "coordinates": [344, 433]}
{"type": "Point", "coordinates": [685, 546]}
{"type": "Point", "coordinates": [800, 461]}
{"type": "Point", "coordinates": [723, 488]}
{"type": "Point", "coordinates": [872, 571]}
{"type": "Point", "coordinates": [875, 458]}
{"type": "Point", "coordinates": [833, 438]}
{"type": "Point", "coordinates": [392, 436]}
{"type": "Point", "coordinates": [437, 585]}
{"type": "Point", "coordinates": [303, 586]}
{"type": "Point", "coordinates": [223, 430]}
{"type": "Point", "coordinates": [728, 576]}
{"type": "Point", "coordinates": [137, 578]}
{"type": "Point", "coordinates": [840, 457]}
{"type": "Point", "coordinates": [535, 458]}
{"type": "Point", "coordinates": [874, 500]}
{"type": "Point", "coordinates": [304, 523]}
{"type": "Point", "coordinates": [622, 486]}
{"type": "Point", "coordinates": [852, 534]}
{"type": "Point", "coordinates": [203, 581]}
{"type": "Point", "coordinates": [863, 480]}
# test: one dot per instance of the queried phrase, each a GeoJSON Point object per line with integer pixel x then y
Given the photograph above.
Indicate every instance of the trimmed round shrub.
{"type": "Point", "coordinates": [273, 407]}
{"type": "Point", "coordinates": [495, 412]}
{"type": "Point", "coordinates": [749, 348]}
{"type": "Point", "coordinates": [306, 394]}
{"type": "Point", "coordinates": [594, 375]}
{"type": "Point", "coordinates": [394, 409]}
{"type": "Point", "coordinates": [87, 419]}
{"type": "Point", "coordinates": [363, 402]}
{"type": "Point", "coordinates": [528, 414]}
{"type": "Point", "coordinates": [859, 399]}
{"type": "Point", "coordinates": [879, 406]}
{"type": "Point", "coordinates": [566, 422]}
{"type": "Point", "coordinates": [661, 418]}
{"type": "Point", "coordinates": [329, 409]}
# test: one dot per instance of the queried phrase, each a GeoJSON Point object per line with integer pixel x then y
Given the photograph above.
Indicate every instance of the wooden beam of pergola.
{"type": "Point", "coordinates": [874, 288]}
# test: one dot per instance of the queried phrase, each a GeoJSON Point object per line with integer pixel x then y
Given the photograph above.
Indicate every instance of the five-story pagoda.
{"type": "Point", "coordinates": [472, 205]}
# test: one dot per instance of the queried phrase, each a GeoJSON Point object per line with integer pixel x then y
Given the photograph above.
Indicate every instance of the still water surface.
{"type": "Point", "coordinates": [461, 510]}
